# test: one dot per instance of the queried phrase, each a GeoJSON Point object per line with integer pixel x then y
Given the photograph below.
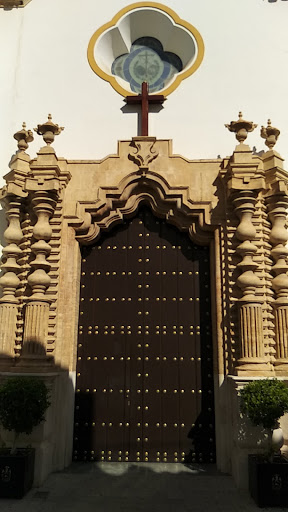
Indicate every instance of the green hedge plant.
{"type": "Point", "coordinates": [264, 401]}
{"type": "Point", "coordinates": [23, 403]}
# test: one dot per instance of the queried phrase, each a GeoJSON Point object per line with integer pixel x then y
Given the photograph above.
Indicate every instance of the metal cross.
{"type": "Point", "coordinates": [145, 99]}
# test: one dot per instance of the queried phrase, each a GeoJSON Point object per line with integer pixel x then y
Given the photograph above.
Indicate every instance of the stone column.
{"type": "Point", "coordinates": [37, 308]}
{"type": "Point", "coordinates": [10, 281]}
{"type": "Point", "coordinates": [245, 181]}
{"type": "Point", "coordinates": [250, 305]}
{"type": "Point", "coordinates": [12, 196]}
{"type": "Point", "coordinates": [43, 186]}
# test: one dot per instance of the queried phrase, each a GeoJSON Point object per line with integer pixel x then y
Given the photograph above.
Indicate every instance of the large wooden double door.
{"type": "Point", "coordinates": [144, 389]}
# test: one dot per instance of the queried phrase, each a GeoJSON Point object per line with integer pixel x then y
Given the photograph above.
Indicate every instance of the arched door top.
{"type": "Point", "coordinates": [175, 204]}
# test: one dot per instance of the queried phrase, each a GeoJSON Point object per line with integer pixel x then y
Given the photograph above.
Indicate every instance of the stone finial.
{"type": "Point", "coordinates": [270, 133]}
{"type": "Point", "coordinates": [48, 130]}
{"type": "Point", "coordinates": [23, 137]}
{"type": "Point", "coordinates": [241, 128]}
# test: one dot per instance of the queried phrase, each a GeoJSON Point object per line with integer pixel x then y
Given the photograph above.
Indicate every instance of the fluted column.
{"type": "Point", "coordinates": [10, 281]}
{"type": "Point", "coordinates": [250, 305]}
{"type": "Point", "coordinates": [37, 308]}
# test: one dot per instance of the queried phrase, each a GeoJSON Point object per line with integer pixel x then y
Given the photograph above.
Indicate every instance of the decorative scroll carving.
{"type": "Point", "coordinates": [145, 151]}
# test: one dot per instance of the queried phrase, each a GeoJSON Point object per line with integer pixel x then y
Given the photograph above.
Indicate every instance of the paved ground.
{"type": "Point", "coordinates": [137, 487]}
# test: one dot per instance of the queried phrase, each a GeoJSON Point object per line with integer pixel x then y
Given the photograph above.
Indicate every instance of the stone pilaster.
{"type": "Point", "coordinates": [277, 201]}
{"type": "Point", "coordinates": [278, 205]}
{"type": "Point", "coordinates": [245, 181]}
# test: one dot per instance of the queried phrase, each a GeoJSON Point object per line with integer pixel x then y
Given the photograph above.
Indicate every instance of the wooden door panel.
{"type": "Point", "coordinates": [144, 369]}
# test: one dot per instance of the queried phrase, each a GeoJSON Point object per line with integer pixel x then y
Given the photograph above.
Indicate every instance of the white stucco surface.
{"type": "Point", "coordinates": [44, 69]}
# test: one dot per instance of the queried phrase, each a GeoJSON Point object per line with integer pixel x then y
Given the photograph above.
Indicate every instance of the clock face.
{"type": "Point", "coordinates": [147, 62]}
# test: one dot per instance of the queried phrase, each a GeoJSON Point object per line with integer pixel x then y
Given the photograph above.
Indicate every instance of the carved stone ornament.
{"type": "Point", "coordinates": [48, 130]}
{"type": "Point", "coordinates": [241, 127]}
{"type": "Point", "coordinates": [23, 137]}
{"type": "Point", "coordinates": [113, 205]}
{"type": "Point", "coordinates": [145, 151]}
{"type": "Point", "coordinates": [270, 134]}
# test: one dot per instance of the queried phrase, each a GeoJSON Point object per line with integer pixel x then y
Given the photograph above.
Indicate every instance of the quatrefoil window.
{"type": "Point", "coordinates": [147, 62]}
{"type": "Point", "coordinates": [148, 42]}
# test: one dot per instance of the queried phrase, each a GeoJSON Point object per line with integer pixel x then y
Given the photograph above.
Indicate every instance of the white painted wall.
{"type": "Point", "coordinates": [44, 69]}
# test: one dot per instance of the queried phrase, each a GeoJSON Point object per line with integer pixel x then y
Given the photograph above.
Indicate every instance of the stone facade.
{"type": "Point", "coordinates": [237, 205]}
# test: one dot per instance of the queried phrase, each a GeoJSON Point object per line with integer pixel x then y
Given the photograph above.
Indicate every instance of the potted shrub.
{"type": "Point", "coordinates": [23, 402]}
{"type": "Point", "coordinates": [264, 401]}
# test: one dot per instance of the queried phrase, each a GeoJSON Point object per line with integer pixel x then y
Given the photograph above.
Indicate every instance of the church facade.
{"type": "Point", "coordinates": [146, 287]}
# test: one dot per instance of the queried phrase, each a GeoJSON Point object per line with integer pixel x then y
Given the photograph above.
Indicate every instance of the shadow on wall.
{"type": "Point", "coordinates": [255, 436]}
{"type": "Point", "coordinates": [53, 438]}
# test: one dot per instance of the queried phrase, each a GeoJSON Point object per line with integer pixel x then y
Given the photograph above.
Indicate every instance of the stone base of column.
{"type": "Point", "coordinates": [249, 367]}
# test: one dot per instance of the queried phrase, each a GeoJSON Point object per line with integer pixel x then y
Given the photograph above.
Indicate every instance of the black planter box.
{"type": "Point", "coordinates": [16, 473]}
{"type": "Point", "coordinates": [268, 481]}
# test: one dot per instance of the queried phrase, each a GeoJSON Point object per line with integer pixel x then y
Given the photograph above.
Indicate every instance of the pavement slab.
{"type": "Point", "coordinates": [135, 487]}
